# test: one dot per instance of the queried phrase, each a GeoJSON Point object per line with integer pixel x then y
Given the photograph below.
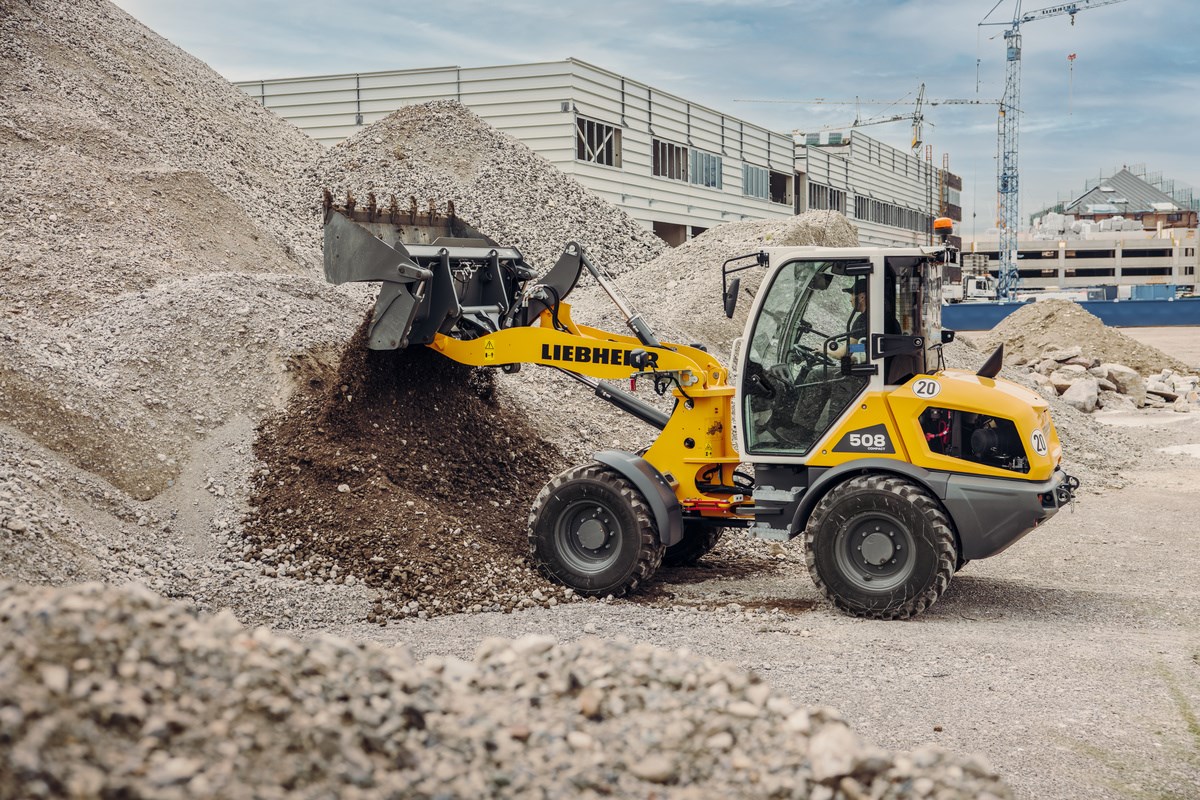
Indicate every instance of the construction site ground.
{"type": "Point", "coordinates": [1072, 660]}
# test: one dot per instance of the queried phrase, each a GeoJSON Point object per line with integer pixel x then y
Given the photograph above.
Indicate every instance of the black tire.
{"type": "Point", "coordinates": [697, 540]}
{"type": "Point", "coordinates": [592, 530]}
{"type": "Point", "coordinates": [910, 552]}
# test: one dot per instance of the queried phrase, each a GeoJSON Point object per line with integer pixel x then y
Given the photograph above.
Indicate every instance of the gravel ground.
{"type": "Point", "coordinates": [1072, 660]}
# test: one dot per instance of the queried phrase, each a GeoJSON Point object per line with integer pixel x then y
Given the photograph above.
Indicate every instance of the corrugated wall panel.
{"type": "Point", "coordinates": [525, 101]}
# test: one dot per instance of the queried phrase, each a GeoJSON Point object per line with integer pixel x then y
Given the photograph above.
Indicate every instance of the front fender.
{"type": "Point", "coordinates": [668, 514]}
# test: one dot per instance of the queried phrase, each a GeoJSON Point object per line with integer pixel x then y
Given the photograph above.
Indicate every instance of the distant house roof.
{"type": "Point", "coordinates": [1122, 193]}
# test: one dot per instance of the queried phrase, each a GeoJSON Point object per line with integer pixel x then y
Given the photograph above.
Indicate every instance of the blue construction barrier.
{"type": "Point", "coordinates": [1116, 313]}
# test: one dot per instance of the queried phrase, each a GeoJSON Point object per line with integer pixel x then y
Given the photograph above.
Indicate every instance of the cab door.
{"type": "Point", "coordinates": [806, 357]}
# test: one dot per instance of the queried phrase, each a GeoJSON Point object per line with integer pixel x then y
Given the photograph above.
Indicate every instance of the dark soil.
{"type": "Point", "coordinates": [404, 470]}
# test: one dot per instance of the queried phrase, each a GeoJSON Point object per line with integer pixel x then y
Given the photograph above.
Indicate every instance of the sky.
{"type": "Point", "coordinates": [1131, 96]}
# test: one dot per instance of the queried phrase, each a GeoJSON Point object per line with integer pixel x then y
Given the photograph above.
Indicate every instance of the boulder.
{"type": "Point", "coordinates": [1038, 381]}
{"type": "Point", "coordinates": [1106, 385]}
{"type": "Point", "coordinates": [1087, 362]}
{"type": "Point", "coordinates": [1083, 394]}
{"type": "Point", "coordinates": [1064, 377]}
{"type": "Point", "coordinates": [1046, 366]}
{"type": "Point", "coordinates": [1127, 381]}
{"type": "Point", "coordinates": [1182, 384]}
{"type": "Point", "coordinates": [1182, 405]}
{"type": "Point", "coordinates": [1063, 355]}
{"type": "Point", "coordinates": [1162, 389]}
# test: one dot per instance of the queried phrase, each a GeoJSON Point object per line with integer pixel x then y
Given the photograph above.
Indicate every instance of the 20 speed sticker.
{"type": "Point", "coordinates": [926, 387]}
{"type": "Point", "coordinates": [1038, 440]}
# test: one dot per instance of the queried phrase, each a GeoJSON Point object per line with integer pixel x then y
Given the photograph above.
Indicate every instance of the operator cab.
{"type": "Point", "coordinates": [827, 326]}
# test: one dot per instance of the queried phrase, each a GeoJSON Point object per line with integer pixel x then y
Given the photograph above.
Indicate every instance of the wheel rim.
{"type": "Point", "coordinates": [874, 551]}
{"type": "Point", "coordinates": [587, 535]}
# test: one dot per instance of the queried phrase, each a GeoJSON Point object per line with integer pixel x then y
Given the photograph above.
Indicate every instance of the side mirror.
{"type": "Point", "coordinates": [947, 336]}
{"type": "Point", "coordinates": [731, 296]}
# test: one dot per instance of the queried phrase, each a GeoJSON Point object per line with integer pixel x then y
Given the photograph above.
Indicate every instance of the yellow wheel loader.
{"type": "Point", "coordinates": [895, 470]}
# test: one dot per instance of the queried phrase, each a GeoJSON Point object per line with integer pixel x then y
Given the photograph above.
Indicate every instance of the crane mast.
{"type": "Point", "coordinates": [1008, 180]}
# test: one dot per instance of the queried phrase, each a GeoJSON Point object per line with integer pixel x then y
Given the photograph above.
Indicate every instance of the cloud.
{"type": "Point", "coordinates": [1131, 96]}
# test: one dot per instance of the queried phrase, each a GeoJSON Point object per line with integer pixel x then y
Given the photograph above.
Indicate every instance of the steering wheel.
{"type": "Point", "coordinates": [810, 356]}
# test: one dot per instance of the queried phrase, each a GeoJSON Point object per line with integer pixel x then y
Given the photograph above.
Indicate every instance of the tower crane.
{"type": "Point", "coordinates": [1007, 175]}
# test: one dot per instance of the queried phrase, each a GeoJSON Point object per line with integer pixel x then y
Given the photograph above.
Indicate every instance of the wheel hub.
{"type": "Point", "coordinates": [874, 551]}
{"type": "Point", "coordinates": [877, 548]}
{"type": "Point", "coordinates": [592, 534]}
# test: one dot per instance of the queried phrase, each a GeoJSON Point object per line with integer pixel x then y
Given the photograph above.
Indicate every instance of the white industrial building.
{"type": "Point", "coordinates": [675, 166]}
{"type": "Point", "coordinates": [1098, 258]}
{"type": "Point", "coordinates": [891, 196]}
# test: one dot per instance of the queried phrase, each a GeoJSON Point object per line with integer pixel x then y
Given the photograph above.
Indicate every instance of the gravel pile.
{"type": "Point", "coordinates": [442, 152]}
{"type": "Point", "coordinates": [116, 692]}
{"type": "Point", "coordinates": [154, 291]}
{"type": "Point", "coordinates": [1035, 328]}
{"type": "Point", "coordinates": [404, 470]}
{"type": "Point", "coordinates": [127, 161]}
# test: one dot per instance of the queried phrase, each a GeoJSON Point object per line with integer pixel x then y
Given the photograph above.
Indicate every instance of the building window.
{"type": "Point", "coordinates": [597, 142]}
{"type": "Point", "coordinates": [826, 197]}
{"type": "Point", "coordinates": [670, 160]}
{"type": "Point", "coordinates": [755, 181]}
{"type": "Point", "coordinates": [895, 216]}
{"type": "Point", "coordinates": [705, 169]}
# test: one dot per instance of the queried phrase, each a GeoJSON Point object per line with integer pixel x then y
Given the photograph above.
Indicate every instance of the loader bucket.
{"type": "Point", "coordinates": [437, 274]}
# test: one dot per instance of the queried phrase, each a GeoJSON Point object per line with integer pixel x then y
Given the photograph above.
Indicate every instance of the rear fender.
{"type": "Point", "coordinates": [933, 482]}
{"type": "Point", "coordinates": [668, 514]}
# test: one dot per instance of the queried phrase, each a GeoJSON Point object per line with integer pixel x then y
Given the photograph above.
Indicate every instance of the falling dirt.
{"type": "Point", "coordinates": [402, 469]}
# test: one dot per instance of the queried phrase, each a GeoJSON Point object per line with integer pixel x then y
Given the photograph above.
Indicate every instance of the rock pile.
{"type": "Point", "coordinates": [1107, 371]}
{"type": "Point", "coordinates": [115, 692]}
{"type": "Point", "coordinates": [153, 287]}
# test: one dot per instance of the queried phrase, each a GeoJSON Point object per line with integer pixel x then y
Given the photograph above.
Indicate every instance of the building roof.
{"type": "Point", "coordinates": [1122, 193]}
